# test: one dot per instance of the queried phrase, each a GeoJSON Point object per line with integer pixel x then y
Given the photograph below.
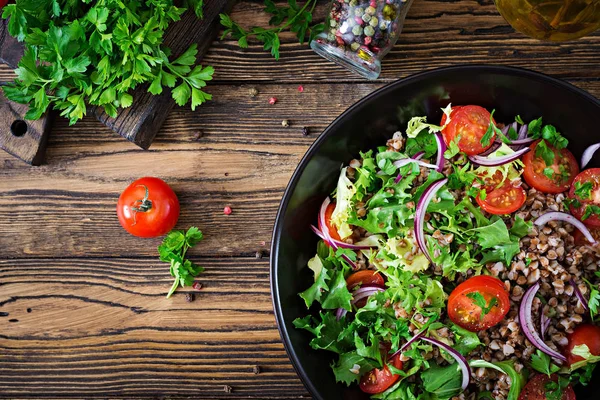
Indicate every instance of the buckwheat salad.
{"type": "Point", "coordinates": [460, 261]}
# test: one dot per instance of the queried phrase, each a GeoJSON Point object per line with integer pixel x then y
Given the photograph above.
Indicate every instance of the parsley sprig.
{"type": "Point", "coordinates": [293, 17]}
{"type": "Point", "coordinates": [480, 302]}
{"type": "Point", "coordinates": [173, 250]}
{"type": "Point", "coordinates": [81, 53]}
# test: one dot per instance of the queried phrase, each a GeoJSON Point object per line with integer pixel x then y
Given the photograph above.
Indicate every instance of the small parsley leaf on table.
{"type": "Point", "coordinates": [173, 250]}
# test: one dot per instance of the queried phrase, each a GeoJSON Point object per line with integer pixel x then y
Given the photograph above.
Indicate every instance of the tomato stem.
{"type": "Point", "coordinates": [145, 204]}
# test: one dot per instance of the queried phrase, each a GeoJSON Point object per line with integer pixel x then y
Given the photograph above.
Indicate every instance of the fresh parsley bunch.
{"type": "Point", "coordinates": [293, 17]}
{"type": "Point", "coordinates": [173, 249]}
{"type": "Point", "coordinates": [94, 52]}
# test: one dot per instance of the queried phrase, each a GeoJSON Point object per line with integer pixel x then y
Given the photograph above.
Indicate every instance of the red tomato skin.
{"type": "Point", "coordinates": [535, 388]}
{"type": "Point", "coordinates": [464, 313]}
{"type": "Point", "coordinates": [332, 230]}
{"type": "Point", "coordinates": [379, 380]}
{"type": "Point", "coordinates": [540, 181]}
{"type": "Point", "coordinates": [593, 175]}
{"type": "Point", "coordinates": [3, 3]}
{"type": "Point", "coordinates": [471, 124]}
{"type": "Point", "coordinates": [365, 277]}
{"type": "Point", "coordinates": [161, 217]}
{"type": "Point", "coordinates": [518, 196]}
{"type": "Point", "coordinates": [580, 239]}
{"type": "Point", "coordinates": [584, 334]}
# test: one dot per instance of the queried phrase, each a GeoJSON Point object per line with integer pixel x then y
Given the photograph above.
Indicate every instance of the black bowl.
{"type": "Point", "coordinates": [370, 123]}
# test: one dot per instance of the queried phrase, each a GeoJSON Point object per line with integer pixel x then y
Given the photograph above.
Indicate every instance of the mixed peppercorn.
{"type": "Point", "coordinates": [363, 28]}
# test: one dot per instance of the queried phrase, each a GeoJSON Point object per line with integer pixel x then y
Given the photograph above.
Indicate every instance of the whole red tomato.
{"type": "Point", "coordinates": [148, 208]}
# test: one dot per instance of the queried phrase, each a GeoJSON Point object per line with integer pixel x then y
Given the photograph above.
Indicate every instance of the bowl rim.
{"type": "Point", "coordinates": [273, 263]}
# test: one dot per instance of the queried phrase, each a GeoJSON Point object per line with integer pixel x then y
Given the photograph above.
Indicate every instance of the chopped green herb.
{"type": "Point", "coordinates": [549, 172]}
{"type": "Point", "coordinates": [555, 390]}
{"type": "Point", "coordinates": [546, 153]}
{"type": "Point", "coordinates": [519, 120]}
{"type": "Point", "coordinates": [590, 209]}
{"type": "Point", "coordinates": [480, 302]}
{"type": "Point", "coordinates": [584, 190]}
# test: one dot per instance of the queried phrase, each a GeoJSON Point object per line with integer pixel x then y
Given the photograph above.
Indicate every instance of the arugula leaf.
{"type": "Point", "coordinates": [465, 341]}
{"type": "Point", "coordinates": [520, 228]}
{"type": "Point", "coordinates": [444, 382]}
{"type": "Point", "coordinates": [338, 295]}
{"type": "Point", "coordinates": [316, 291]}
{"type": "Point", "coordinates": [350, 367]}
{"type": "Point", "coordinates": [541, 362]}
{"type": "Point", "coordinates": [173, 250]}
{"type": "Point", "coordinates": [480, 302]}
{"type": "Point", "coordinates": [517, 380]}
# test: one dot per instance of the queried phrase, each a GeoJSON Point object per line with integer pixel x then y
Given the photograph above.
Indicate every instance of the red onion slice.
{"type": "Point", "coordinates": [527, 326]}
{"type": "Point", "coordinates": [440, 152]}
{"type": "Point", "coordinates": [579, 295]}
{"type": "Point", "coordinates": [561, 216]}
{"type": "Point", "coordinates": [544, 323]}
{"type": "Point", "coordinates": [522, 141]}
{"type": "Point", "coordinates": [418, 156]}
{"type": "Point", "coordinates": [497, 161]}
{"type": "Point", "coordinates": [523, 132]}
{"type": "Point", "coordinates": [420, 212]}
{"type": "Point", "coordinates": [364, 292]}
{"type": "Point", "coordinates": [406, 345]}
{"type": "Point", "coordinates": [339, 313]}
{"type": "Point", "coordinates": [404, 161]}
{"type": "Point", "coordinates": [492, 149]}
{"type": "Point", "coordinates": [462, 362]}
{"type": "Point", "coordinates": [339, 243]}
{"type": "Point", "coordinates": [588, 154]}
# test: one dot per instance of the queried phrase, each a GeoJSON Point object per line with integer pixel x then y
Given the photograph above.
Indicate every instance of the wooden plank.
{"type": "Point", "coordinates": [140, 122]}
{"type": "Point", "coordinates": [437, 33]}
{"type": "Point", "coordinates": [109, 330]}
{"type": "Point", "coordinates": [23, 139]}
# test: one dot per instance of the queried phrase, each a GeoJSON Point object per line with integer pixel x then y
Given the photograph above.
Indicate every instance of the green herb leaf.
{"type": "Point", "coordinates": [480, 302]}
{"type": "Point", "coordinates": [584, 190]}
{"type": "Point", "coordinates": [173, 250]}
{"type": "Point", "coordinates": [541, 362]}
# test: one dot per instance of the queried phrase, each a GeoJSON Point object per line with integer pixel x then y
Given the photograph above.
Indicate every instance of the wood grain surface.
{"type": "Point", "coordinates": [82, 307]}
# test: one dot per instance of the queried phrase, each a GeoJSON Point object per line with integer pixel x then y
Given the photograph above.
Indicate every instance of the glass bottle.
{"type": "Point", "coordinates": [555, 20]}
{"type": "Point", "coordinates": [359, 33]}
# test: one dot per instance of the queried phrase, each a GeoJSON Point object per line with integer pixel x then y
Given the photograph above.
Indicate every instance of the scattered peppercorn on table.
{"type": "Point", "coordinates": [83, 312]}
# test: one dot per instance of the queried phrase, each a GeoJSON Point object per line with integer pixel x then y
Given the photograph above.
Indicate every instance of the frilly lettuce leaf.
{"type": "Point", "coordinates": [344, 193]}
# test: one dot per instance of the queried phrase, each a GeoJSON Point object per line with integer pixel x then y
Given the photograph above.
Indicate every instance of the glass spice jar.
{"type": "Point", "coordinates": [359, 33]}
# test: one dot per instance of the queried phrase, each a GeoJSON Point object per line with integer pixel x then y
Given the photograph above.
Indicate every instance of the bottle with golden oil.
{"type": "Point", "coordinates": [555, 20]}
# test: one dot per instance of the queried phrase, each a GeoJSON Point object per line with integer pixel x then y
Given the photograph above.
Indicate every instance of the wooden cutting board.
{"type": "Point", "coordinates": [139, 123]}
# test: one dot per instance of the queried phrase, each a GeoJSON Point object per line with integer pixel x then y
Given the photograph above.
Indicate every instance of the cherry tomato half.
{"type": "Point", "coordinates": [584, 334]}
{"type": "Point", "coordinates": [503, 200]}
{"type": "Point", "coordinates": [536, 388]}
{"type": "Point", "coordinates": [365, 277]}
{"type": "Point", "coordinates": [332, 230]}
{"type": "Point", "coordinates": [581, 240]}
{"type": "Point", "coordinates": [564, 169]}
{"type": "Point", "coordinates": [379, 380]}
{"type": "Point", "coordinates": [148, 208]}
{"type": "Point", "coordinates": [463, 310]}
{"type": "Point", "coordinates": [591, 175]}
{"type": "Point", "coordinates": [470, 123]}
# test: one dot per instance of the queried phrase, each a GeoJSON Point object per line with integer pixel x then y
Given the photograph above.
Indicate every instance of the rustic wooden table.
{"type": "Point", "coordinates": [83, 311]}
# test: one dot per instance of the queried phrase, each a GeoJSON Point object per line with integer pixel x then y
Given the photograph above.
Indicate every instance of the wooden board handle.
{"type": "Point", "coordinates": [24, 139]}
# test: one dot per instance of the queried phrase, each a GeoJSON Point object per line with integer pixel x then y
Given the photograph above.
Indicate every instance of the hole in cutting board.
{"type": "Point", "coordinates": [18, 128]}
